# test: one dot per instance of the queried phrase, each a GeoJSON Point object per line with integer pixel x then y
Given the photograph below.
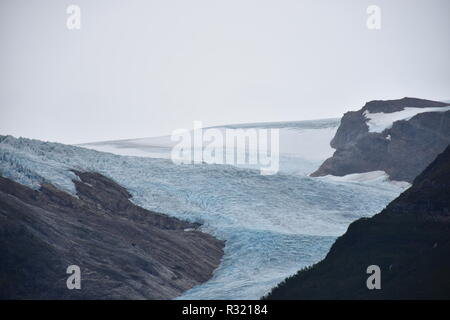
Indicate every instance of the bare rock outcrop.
{"type": "Point", "coordinates": [123, 250]}
{"type": "Point", "coordinates": [402, 151]}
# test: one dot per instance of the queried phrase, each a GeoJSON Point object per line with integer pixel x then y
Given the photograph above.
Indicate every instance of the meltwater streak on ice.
{"type": "Point", "coordinates": [273, 225]}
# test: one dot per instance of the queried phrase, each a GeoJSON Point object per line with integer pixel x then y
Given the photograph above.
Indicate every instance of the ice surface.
{"type": "Point", "coordinates": [372, 177]}
{"type": "Point", "coordinates": [378, 122]}
{"type": "Point", "coordinates": [273, 225]}
{"type": "Point", "coordinates": [303, 144]}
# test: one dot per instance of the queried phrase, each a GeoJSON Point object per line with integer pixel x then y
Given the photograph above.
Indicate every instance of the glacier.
{"type": "Point", "coordinates": [273, 225]}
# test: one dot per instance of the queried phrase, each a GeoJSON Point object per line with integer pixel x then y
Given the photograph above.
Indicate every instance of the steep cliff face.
{"type": "Point", "coordinates": [124, 251]}
{"type": "Point", "coordinates": [409, 241]}
{"type": "Point", "coordinates": [365, 141]}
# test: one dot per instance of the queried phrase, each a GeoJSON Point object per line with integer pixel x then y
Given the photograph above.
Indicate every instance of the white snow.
{"type": "Point", "coordinates": [371, 177]}
{"type": "Point", "coordinates": [378, 122]}
{"type": "Point", "coordinates": [304, 145]}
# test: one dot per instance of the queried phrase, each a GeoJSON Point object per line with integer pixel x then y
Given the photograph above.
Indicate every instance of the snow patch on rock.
{"type": "Point", "coordinates": [378, 122]}
{"type": "Point", "coordinates": [372, 177]}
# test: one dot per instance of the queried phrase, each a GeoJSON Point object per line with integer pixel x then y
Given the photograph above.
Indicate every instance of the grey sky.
{"type": "Point", "coordinates": [145, 68]}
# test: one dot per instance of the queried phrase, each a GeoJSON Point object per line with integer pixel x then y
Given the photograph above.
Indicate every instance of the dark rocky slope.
{"type": "Point", "coordinates": [402, 151]}
{"type": "Point", "coordinates": [409, 241]}
{"type": "Point", "coordinates": [124, 251]}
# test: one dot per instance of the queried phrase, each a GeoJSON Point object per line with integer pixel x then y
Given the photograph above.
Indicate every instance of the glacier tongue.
{"type": "Point", "coordinates": [273, 225]}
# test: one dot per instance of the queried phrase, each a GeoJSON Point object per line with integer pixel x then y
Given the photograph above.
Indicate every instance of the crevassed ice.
{"type": "Point", "coordinates": [273, 225]}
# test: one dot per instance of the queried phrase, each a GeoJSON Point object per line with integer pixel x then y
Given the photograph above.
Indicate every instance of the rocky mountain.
{"type": "Point", "coordinates": [409, 240]}
{"type": "Point", "coordinates": [400, 137]}
{"type": "Point", "coordinates": [123, 250]}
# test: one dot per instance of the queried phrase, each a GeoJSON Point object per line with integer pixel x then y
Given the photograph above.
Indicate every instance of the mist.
{"type": "Point", "coordinates": [145, 68]}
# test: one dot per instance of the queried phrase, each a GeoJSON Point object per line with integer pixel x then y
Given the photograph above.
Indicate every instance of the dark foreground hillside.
{"type": "Point", "coordinates": [124, 251]}
{"type": "Point", "coordinates": [409, 241]}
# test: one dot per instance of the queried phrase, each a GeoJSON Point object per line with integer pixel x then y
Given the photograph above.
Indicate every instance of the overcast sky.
{"type": "Point", "coordinates": [145, 68]}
